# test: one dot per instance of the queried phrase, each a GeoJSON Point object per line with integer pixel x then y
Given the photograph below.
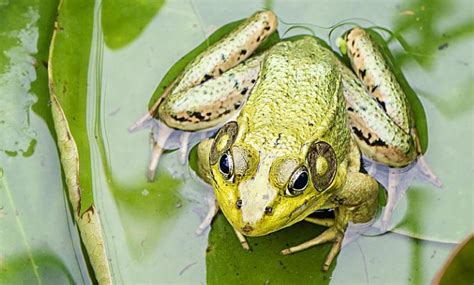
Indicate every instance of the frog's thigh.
{"type": "Point", "coordinates": [357, 199]}
{"type": "Point", "coordinates": [376, 134]}
{"type": "Point", "coordinates": [379, 81]}
{"type": "Point", "coordinates": [212, 102]}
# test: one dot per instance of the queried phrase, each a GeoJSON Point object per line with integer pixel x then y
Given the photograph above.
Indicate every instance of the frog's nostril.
{"type": "Point", "coordinates": [238, 204]}
{"type": "Point", "coordinates": [247, 228]}
{"type": "Point", "coordinates": [268, 210]}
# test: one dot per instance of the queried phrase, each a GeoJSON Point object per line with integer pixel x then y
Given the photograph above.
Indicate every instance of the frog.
{"type": "Point", "coordinates": [291, 124]}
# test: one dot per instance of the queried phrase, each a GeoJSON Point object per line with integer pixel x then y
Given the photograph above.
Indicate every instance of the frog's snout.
{"type": "Point", "coordinates": [247, 228]}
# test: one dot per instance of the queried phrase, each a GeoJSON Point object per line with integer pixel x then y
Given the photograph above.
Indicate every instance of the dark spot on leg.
{"type": "Point", "coordinates": [382, 104]}
{"type": "Point", "coordinates": [253, 81]}
{"type": "Point", "coordinates": [374, 88]}
{"type": "Point", "coordinates": [360, 135]}
{"type": "Point", "coordinates": [258, 39]}
{"type": "Point", "coordinates": [362, 73]}
{"type": "Point", "coordinates": [243, 52]}
{"type": "Point", "coordinates": [244, 91]}
{"type": "Point", "coordinates": [206, 78]}
{"type": "Point", "coordinates": [267, 28]}
{"type": "Point", "coordinates": [350, 109]}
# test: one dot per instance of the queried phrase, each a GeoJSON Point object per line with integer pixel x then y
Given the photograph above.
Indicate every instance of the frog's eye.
{"type": "Point", "coordinates": [223, 141]}
{"type": "Point", "coordinates": [322, 165]}
{"type": "Point", "coordinates": [226, 165]}
{"type": "Point", "coordinates": [298, 182]}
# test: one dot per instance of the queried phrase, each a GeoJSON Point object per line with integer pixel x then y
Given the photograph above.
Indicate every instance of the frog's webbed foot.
{"type": "Point", "coordinates": [332, 234]}
{"type": "Point", "coordinates": [397, 181]}
{"type": "Point", "coordinates": [159, 137]}
{"type": "Point", "coordinates": [184, 147]}
{"type": "Point", "coordinates": [166, 138]}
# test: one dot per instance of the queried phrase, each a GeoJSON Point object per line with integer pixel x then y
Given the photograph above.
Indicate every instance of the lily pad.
{"type": "Point", "coordinates": [39, 242]}
{"type": "Point", "coordinates": [459, 268]}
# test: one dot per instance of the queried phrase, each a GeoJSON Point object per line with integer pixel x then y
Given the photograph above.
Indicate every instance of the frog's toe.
{"type": "Point", "coordinates": [184, 147]}
{"type": "Point", "coordinates": [336, 247]}
{"type": "Point", "coordinates": [243, 240]}
{"type": "Point", "coordinates": [320, 221]}
{"type": "Point", "coordinates": [159, 136]}
{"type": "Point", "coordinates": [156, 152]}
{"type": "Point", "coordinates": [426, 173]}
{"type": "Point", "coordinates": [213, 210]}
{"type": "Point", "coordinates": [331, 234]}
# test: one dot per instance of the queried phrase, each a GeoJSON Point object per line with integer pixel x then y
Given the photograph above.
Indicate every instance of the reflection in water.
{"type": "Point", "coordinates": [17, 72]}
{"type": "Point", "coordinates": [456, 104]}
{"type": "Point", "coordinates": [421, 20]}
{"type": "Point", "coordinates": [124, 20]}
{"type": "Point", "coordinates": [49, 270]}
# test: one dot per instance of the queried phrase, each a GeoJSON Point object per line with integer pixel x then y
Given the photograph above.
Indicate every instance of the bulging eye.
{"type": "Point", "coordinates": [226, 165]}
{"type": "Point", "coordinates": [298, 182]}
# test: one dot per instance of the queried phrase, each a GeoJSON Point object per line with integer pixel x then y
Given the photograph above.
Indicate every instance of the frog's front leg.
{"type": "Point", "coordinates": [356, 202]}
{"type": "Point", "coordinates": [204, 172]}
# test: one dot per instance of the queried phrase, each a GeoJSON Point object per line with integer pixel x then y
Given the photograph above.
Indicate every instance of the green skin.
{"type": "Point", "coordinates": [303, 109]}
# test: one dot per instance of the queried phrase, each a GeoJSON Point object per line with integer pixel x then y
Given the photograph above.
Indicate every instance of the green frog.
{"type": "Point", "coordinates": [292, 123]}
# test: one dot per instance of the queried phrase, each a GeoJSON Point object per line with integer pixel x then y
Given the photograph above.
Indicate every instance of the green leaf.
{"type": "Point", "coordinates": [67, 73]}
{"type": "Point", "coordinates": [227, 262]}
{"type": "Point", "coordinates": [38, 241]}
{"type": "Point", "coordinates": [124, 20]}
{"type": "Point", "coordinates": [459, 268]}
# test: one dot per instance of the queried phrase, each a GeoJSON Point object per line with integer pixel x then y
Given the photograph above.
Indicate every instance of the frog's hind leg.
{"type": "Point", "coordinates": [396, 181]}
{"type": "Point", "coordinates": [382, 121]}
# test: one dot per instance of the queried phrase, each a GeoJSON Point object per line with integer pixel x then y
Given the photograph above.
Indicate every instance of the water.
{"type": "Point", "coordinates": [149, 227]}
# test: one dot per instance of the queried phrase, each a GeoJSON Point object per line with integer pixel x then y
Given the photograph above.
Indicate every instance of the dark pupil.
{"type": "Point", "coordinates": [301, 181]}
{"type": "Point", "coordinates": [224, 164]}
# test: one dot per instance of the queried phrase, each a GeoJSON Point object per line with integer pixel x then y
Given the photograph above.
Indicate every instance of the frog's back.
{"type": "Point", "coordinates": [297, 98]}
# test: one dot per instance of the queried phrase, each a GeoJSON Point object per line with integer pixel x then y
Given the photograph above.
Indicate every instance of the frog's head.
{"type": "Point", "coordinates": [263, 191]}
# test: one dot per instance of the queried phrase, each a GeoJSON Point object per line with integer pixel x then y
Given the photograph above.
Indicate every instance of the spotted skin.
{"type": "Point", "coordinates": [376, 134]}
{"type": "Point", "coordinates": [212, 102]}
{"type": "Point", "coordinates": [379, 81]}
{"type": "Point", "coordinates": [236, 47]}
